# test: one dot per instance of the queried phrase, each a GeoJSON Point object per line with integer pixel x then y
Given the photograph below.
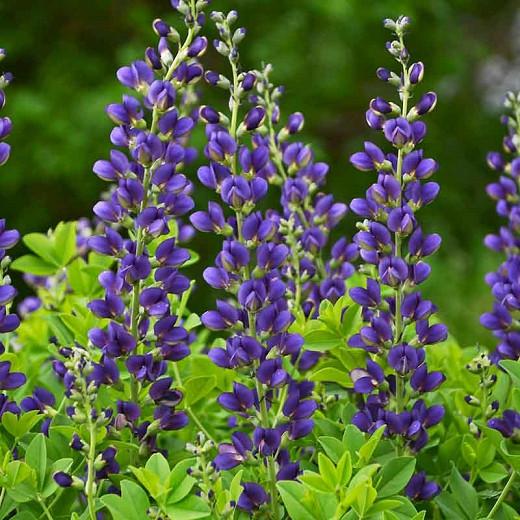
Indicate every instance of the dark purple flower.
{"type": "Point", "coordinates": [253, 496]}
{"type": "Point", "coordinates": [419, 488]}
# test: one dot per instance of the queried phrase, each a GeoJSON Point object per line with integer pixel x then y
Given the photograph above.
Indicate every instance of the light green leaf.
{"type": "Point", "coordinates": [316, 482]}
{"type": "Point", "coordinates": [292, 494]}
{"type": "Point", "coordinates": [493, 473]}
{"type": "Point", "coordinates": [36, 457]}
{"type": "Point", "coordinates": [322, 340]}
{"type": "Point", "coordinates": [513, 369]}
{"type": "Point", "coordinates": [133, 503]}
{"type": "Point", "coordinates": [333, 447]}
{"type": "Point", "coordinates": [190, 508]}
{"type": "Point", "coordinates": [464, 493]}
{"type": "Point", "coordinates": [353, 439]}
{"type": "Point", "coordinates": [43, 246]}
{"type": "Point", "coordinates": [33, 265]}
{"type": "Point", "coordinates": [158, 465]}
{"type": "Point", "coordinates": [332, 375]}
{"type": "Point", "coordinates": [65, 242]}
{"type": "Point", "coordinates": [19, 426]}
{"type": "Point", "coordinates": [327, 470]}
{"type": "Point", "coordinates": [235, 488]}
{"type": "Point", "coordinates": [367, 450]}
{"type": "Point", "coordinates": [196, 388]}
{"type": "Point", "coordinates": [192, 321]}
{"type": "Point", "coordinates": [344, 469]}
{"type": "Point", "coordinates": [395, 474]}
{"type": "Point", "coordinates": [351, 322]}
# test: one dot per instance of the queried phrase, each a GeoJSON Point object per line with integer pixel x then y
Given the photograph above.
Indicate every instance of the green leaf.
{"type": "Point", "coordinates": [180, 471]}
{"type": "Point", "coordinates": [192, 321]}
{"type": "Point", "coordinates": [332, 375]}
{"type": "Point", "coordinates": [151, 482]}
{"type": "Point", "coordinates": [20, 481]}
{"type": "Point", "coordinates": [353, 439]}
{"type": "Point", "coordinates": [464, 493]}
{"type": "Point", "coordinates": [196, 388]}
{"type": "Point", "coordinates": [395, 474]}
{"type": "Point", "coordinates": [24, 515]}
{"type": "Point", "coordinates": [322, 340]}
{"type": "Point", "coordinates": [235, 488]}
{"type": "Point", "coordinates": [158, 464]}
{"type": "Point", "coordinates": [344, 469]}
{"type": "Point", "coordinates": [43, 246]}
{"type": "Point", "coordinates": [327, 470]}
{"type": "Point", "coordinates": [333, 447]}
{"type": "Point", "coordinates": [449, 506]}
{"type": "Point", "coordinates": [36, 457]}
{"type": "Point", "coordinates": [194, 258]}
{"type": "Point", "coordinates": [19, 426]}
{"type": "Point", "coordinates": [367, 450]}
{"type": "Point", "coordinates": [58, 328]}
{"type": "Point", "coordinates": [351, 322]}
{"type": "Point", "coordinates": [133, 503]}
{"type": "Point", "coordinates": [33, 265]}
{"type": "Point", "coordinates": [190, 508]}
{"type": "Point", "coordinates": [316, 482]}
{"type": "Point", "coordinates": [292, 494]}
{"type": "Point", "coordinates": [513, 369]}
{"type": "Point", "coordinates": [65, 242]}
{"type": "Point", "coordinates": [181, 490]}
{"type": "Point", "coordinates": [384, 505]}
{"type": "Point", "coordinates": [364, 500]}
{"type": "Point", "coordinates": [493, 473]}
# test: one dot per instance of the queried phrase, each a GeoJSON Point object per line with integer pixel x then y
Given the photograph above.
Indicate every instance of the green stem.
{"type": "Point", "coordinates": [264, 414]}
{"type": "Point", "coordinates": [91, 474]}
{"type": "Point", "coordinates": [502, 496]}
{"type": "Point", "coordinates": [147, 177]}
{"type": "Point", "coordinates": [45, 508]}
{"type": "Point", "coordinates": [400, 383]}
{"type": "Point", "coordinates": [398, 291]}
{"type": "Point", "coordinates": [188, 409]}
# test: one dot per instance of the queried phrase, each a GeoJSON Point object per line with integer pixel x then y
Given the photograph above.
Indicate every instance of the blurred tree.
{"type": "Point", "coordinates": [64, 56]}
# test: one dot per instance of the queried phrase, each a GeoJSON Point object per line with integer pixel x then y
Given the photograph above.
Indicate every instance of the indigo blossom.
{"type": "Point", "coordinates": [309, 214]}
{"type": "Point", "coordinates": [503, 319]}
{"type": "Point", "coordinates": [398, 321]}
{"type": "Point", "coordinates": [9, 321]}
{"type": "Point", "coordinates": [145, 295]}
{"type": "Point", "coordinates": [270, 407]}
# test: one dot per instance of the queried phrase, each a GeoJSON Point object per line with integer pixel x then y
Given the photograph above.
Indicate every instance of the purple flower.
{"type": "Point", "coordinates": [255, 269]}
{"type": "Point", "coordinates": [419, 488]}
{"type": "Point", "coordinates": [231, 455]}
{"type": "Point", "coordinates": [393, 247]}
{"type": "Point", "coordinates": [253, 496]}
{"type": "Point", "coordinates": [508, 425]}
{"type": "Point", "coordinates": [504, 282]}
{"type": "Point", "coordinates": [10, 380]}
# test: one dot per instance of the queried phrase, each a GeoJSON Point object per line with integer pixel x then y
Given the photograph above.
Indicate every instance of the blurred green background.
{"type": "Point", "coordinates": [64, 56]}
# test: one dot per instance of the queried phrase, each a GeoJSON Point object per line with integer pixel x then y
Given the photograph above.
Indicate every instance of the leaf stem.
{"type": "Point", "coordinates": [502, 496]}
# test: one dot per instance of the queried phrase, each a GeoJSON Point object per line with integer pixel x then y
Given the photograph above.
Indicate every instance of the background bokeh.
{"type": "Point", "coordinates": [64, 56]}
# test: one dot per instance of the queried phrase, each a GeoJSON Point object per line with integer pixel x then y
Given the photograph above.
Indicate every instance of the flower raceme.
{"type": "Point", "coordinates": [250, 269]}
{"type": "Point", "coordinates": [9, 322]}
{"type": "Point", "coordinates": [504, 282]}
{"type": "Point", "coordinates": [308, 214]}
{"type": "Point", "coordinates": [398, 321]}
{"type": "Point", "coordinates": [144, 294]}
